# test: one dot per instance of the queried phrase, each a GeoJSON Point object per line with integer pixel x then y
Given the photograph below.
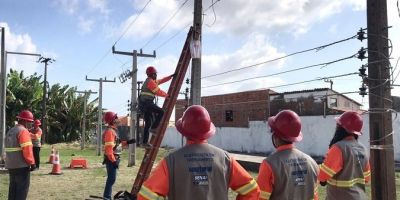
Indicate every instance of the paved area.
{"type": "Point", "coordinates": [249, 162]}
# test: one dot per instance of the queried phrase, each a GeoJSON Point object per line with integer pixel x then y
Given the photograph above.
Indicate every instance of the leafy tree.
{"type": "Point", "coordinates": [64, 107]}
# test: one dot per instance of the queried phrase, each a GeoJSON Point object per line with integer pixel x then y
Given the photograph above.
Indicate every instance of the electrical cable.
{"type": "Point", "coordinates": [165, 25]}
{"type": "Point", "coordinates": [283, 72]}
{"type": "Point", "coordinates": [282, 57]}
{"type": "Point", "coordinates": [133, 21]}
{"type": "Point", "coordinates": [215, 16]}
{"type": "Point", "coordinates": [307, 81]}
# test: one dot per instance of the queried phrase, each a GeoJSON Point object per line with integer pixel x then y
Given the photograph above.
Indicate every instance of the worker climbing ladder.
{"type": "Point", "coordinates": [155, 141]}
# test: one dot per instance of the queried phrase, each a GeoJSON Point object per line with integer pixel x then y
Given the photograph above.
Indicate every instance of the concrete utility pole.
{"type": "Point", "coordinates": [134, 54]}
{"type": "Point", "coordinates": [2, 98]}
{"type": "Point", "coordinates": [46, 61]}
{"type": "Point", "coordinates": [195, 93]}
{"type": "Point", "coordinates": [100, 112]}
{"type": "Point", "coordinates": [380, 119]}
{"type": "Point", "coordinates": [3, 92]}
{"type": "Point", "coordinates": [83, 134]}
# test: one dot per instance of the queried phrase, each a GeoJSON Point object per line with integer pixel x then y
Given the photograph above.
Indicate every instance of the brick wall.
{"type": "Point", "coordinates": [245, 106]}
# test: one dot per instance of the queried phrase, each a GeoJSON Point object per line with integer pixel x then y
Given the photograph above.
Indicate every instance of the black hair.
{"type": "Point", "coordinates": [340, 134]}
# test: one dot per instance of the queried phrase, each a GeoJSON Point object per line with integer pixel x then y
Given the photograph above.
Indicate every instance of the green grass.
{"type": "Point", "coordinates": [79, 184]}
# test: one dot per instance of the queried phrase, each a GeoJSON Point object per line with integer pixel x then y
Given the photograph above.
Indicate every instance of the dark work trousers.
{"type": "Point", "coordinates": [36, 155]}
{"type": "Point", "coordinates": [19, 183]}
{"type": "Point", "coordinates": [111, 177]}
{"type": "Point", "coordinates": [149, 108]}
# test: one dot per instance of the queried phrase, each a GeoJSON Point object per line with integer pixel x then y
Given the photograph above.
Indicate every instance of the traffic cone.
{"type": "Point", "coordinates": [51, 158]}
{"type": "Point", "coordinates": [56, 165]}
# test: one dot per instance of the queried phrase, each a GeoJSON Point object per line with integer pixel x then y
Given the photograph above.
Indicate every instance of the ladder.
{"type": "Point", "coordinates": [169, 103]}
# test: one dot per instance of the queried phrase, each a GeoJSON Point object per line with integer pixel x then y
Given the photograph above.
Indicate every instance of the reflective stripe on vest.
{"type": "Point", "coordinates": [146, 93]}
{"type": "Point", "coordinates": [295, 175]}
{"type": "Point", "coordinates": [148, 194]}
{"type": "Point", "coordinates": [349, 183]}
{"type": "Point", "coordinates": [14, 156]}
{"type": "Point", "coordinates": [199, 170]}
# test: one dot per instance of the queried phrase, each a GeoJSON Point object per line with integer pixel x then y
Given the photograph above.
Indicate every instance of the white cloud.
{"type": "Point", "coordinates": [69, 6]}
{"type": "Point", "coordinates": [153, 18]}
{"type": "Point", "coordinates": [292, 16]}
{"type": "Point", "coordinates": [85, 25]}
{"type": "Point", "coordinates": [100, 5]}
{"type": "Point", "coordinates": [257, 49]}
{"type": "Point", "coordinates": [20, 43]}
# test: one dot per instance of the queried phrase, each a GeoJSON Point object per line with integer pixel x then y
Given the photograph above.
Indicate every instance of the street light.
{"type": "Point", "coordinates": [3, 89]}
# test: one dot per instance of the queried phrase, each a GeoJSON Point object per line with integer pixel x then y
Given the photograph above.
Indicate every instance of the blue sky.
{"type": "Point", "coordinates": [79, 34]}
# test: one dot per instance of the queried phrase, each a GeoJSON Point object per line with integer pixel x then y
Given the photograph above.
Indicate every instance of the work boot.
{"type": "Point", "coordinates": [146, 145]}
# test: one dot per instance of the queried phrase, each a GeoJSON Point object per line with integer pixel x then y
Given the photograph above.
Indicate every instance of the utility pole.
{"type": "Point", "coordinates": [3, 91]}
{"type": "Point", "coordinates": [100, 112]}
{"type": "Point", "coordinates": [2, 98]}
{"type": "Point", "coordinates": [83, 134]}
{"type": "Point", "coordinates": [46, 61]}
{"type": "Point", "coordinates": [380, 117]}
{"type": "Point", "coordinates": [195, 93]}
{"type": "Point", "coordinates": [134, 54]}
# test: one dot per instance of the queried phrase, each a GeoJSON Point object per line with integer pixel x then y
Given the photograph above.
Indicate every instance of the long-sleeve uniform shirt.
{"type": "Point", "coordinates": [110, 138]}
{"type": "Point", "coordinates": [288, 174]}
{"type": "Point", "coordinates": [346, 169]}
{"type": "Point", "coordinates": [158, 185]}
{"type": "Point", "coordinates": [18, 148]}
{"type": "Point", "coordinates": [36, 136]}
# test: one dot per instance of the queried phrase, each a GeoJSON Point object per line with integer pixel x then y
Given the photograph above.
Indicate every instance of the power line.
{"type": "Point", "coordinates": [120, 37]}
{"type": "Point", "coordinates": [130, 24]}
{"type": "Point", "coordinates": [173, 36]}
{"type": "Point", "coordinates": [283, 72]}
{"type": "Point", "coordinates": [282, 57]}
{"type": "Point", "coordinates": [211, 6]}
{"type": "Point", "coordinates": [165, 25]}
{"type": "Point", "coordinates": [313, 80]}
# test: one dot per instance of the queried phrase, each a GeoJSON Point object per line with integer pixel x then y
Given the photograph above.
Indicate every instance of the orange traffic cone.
{"type": "Point", "coordinates": [51, 158]}
{"type": "Point", "coordinates": [56, 165]}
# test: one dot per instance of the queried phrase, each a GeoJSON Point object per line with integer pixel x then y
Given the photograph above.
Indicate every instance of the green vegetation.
{"type": "Point", "coordinates": [64, 107]}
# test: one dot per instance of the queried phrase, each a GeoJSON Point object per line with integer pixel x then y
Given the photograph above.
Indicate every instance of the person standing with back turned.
{"type": "Point", "coordinates": [288, 173]}
{"type": "Point", "coordinates": [148, 92]}
{"type": "Point", "coordinates": [19, 157]}
{"type": "Point", "coordinates": [346, 167]}
{"type": "Point", "coordinates": [198, 170]}
{"type": "Point", "coordinates": [36, 135]}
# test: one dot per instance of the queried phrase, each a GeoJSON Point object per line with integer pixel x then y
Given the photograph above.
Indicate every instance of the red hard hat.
{"type": "Point", "coordinates": [151, 70]}
{"type": "Point", "coordinates": [351, 121]}
{"type": "Point", "coordinates": [286, 125]}
{"type": "Point", "coordinates": [25, 115]}
{"type": "Point", "coordinates": [37, 123]}
{"type": "Point", "coordinates": [196, 124]}
{"type": "Point", "coordinates": [109, 117]}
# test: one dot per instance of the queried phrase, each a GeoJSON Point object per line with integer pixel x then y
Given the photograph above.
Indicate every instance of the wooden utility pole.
{"type": "Point", "coordinates": [100, 112]}
{"type": "Point", "coordinates": [46, 61]}
{"type": "Point", "coordinates": [83, 134]}
{"type": "Point", "coordinates": [195, 93]}
{"type": "Point", "coordinates": [132, 129]}
{"type": "Point", "coordinates": [380, 118]}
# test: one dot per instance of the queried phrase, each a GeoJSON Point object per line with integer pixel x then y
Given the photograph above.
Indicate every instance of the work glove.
{"type": "Point", "coordinates": [322, 183]}
{"type": "Point", "coordinates": [131, 141]}
{"type": "Point", "coordinates": [32, 167]}
{"type": "Point", "coordinates": [173, 75]}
